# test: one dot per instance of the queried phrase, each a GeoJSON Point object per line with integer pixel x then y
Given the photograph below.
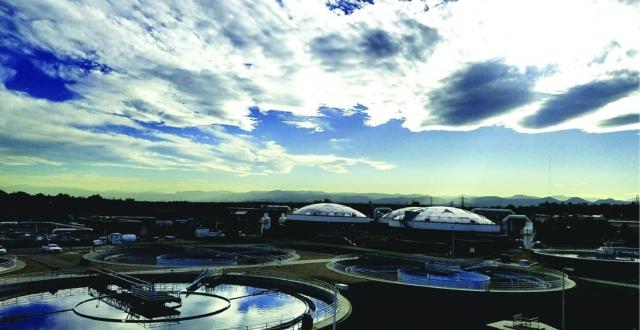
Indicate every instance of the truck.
{"type": "Point", "coordinates": [118, 238]}
{"type": "Point", "coordinates": [51, 248]}
{"type": "Point", "coordinates": [206, 233]}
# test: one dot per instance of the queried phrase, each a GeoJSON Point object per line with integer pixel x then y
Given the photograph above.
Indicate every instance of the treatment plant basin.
{"type": "Point", "coordinates": [254, 300]}
{"type": "Point", "coordinates": [190, 255]}
{"type": "Point", "coordinates": [451, 274]}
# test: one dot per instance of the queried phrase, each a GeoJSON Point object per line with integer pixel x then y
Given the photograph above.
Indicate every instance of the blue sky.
{"type": "Point", "coordinates": [433, 97]}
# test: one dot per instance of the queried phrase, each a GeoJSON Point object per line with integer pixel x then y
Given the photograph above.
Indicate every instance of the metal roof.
{"type": "Point", "coordinates": [329, 209]}
{"type": "Point", "coordinates": [437, 214]}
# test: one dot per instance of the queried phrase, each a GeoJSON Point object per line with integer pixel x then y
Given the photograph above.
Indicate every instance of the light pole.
{"type": "Point", "coordinates": [336, 287]}
{"type": "Point", "coordinates": [564, 275]}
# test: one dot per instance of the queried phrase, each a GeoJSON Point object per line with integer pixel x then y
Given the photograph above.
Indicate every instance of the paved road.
{"type": "Point", "coordinates": [37, 250]}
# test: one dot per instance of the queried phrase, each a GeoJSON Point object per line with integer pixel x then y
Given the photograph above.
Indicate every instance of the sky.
{"type": "Point", "coordinates": [491, 97]}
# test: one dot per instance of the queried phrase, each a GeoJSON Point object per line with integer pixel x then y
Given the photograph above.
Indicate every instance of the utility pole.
{"type": "Point", "coordinates": [563, 275]}
{"type": "Point", "coordinates": [462, 201]}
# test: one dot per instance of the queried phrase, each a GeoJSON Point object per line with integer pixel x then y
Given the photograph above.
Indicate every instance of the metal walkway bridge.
{"type": "Point", "coordinates": [145, 292]}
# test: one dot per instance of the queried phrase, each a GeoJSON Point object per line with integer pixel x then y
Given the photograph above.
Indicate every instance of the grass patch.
{"type": "Point", "coordinates": [31, 266]}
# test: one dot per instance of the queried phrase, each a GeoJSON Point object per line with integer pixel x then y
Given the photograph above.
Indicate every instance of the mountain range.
{"type": "Point", "coordinates": [282, 196]}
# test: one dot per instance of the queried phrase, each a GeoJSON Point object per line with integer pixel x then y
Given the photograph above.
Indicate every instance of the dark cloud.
{"type": "Point", "coordinates": [480, 91]}
{"type": "Point", "coordinates": [378, 44]}
{"type": "Point", "coordinates": [632, 118]}
{"type": "Point", "coordinates": [420, 44]}
{"type": "Point", "coordinates": [334, 51]}
{"type": "Point", "coordinates": [583, 99]}
{"type": "Point", "coordinates": [375, 47]}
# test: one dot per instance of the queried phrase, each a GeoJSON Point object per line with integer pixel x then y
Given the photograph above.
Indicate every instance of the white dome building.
{"type": "Point", "coordinates": [439, 218]}
{"type": "Point", "coordinates": [328, 212]}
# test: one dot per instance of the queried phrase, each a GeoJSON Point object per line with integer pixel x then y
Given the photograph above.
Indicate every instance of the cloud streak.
{"type": "Point", "coordinates": [73, 136]}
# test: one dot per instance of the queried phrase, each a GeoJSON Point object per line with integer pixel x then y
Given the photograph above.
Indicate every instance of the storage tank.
{"type": "Point", "coordinates": [118, 238]}
{"type": "Point", "coordinates": [129, 238]}
{"type": "Point", "coordinates": [114, 238]}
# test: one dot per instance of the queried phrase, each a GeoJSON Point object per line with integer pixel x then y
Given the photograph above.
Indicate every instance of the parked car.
{"type": "Point", "coordinates": [216, 234]}
{"type": "Point", "coordinates": [100, 241]}
{"type": "Point", "coordinates": [3, 251]}
{"type": "Point", "coordinates": [51, 248]}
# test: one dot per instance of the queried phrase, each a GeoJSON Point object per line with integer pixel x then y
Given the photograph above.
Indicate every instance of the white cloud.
{"type": "Point", "coordinates": [191, 63]}
{"type": "Point", "coordinates": [68, 133]}
{"type": "Point", "coordinates": [307, 124]}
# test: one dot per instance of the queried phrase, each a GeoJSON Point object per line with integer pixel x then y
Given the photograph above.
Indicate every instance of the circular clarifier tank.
{"type": "Point", "coordinates": [453, 274]}
{"type": "Point", "coordinates": [190, 256]}
{"type": "Point", "coordinates": [219, 304]}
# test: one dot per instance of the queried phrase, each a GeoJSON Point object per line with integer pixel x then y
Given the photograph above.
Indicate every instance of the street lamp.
{"type": "Point", "coordinates": [564, 275]}
{"type": "Point", "coordinates": [336, 287]}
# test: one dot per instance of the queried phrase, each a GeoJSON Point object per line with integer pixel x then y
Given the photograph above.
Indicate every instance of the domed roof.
{"type": "Point", "coordinates": [438, 214]}
{"type": "Point", "coordinates": [329, 209]}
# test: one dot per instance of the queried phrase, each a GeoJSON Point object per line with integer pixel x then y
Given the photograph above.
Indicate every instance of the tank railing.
{"type": "Point", "coordinates": [40, 276]}
{"type": "Point", "coordinates": [10, 262]}
{"type": "Point", "coordinates": [320, 313]}
{"type": "Point", "coordinates": [39, 296]}
{"type": "Point", "coordinates": [453, 283]}
{"type": "Point", "coordinates": [419, 259]}
{"type": "Point", "coordinates": [100, 254]}
{"type": "Point", "coordinates": [547, 279]}
{"type": "Point", "coordinates": [602, 251]}
{"type": "Point", "coordinates": [153, 292]}
{"type": "Point", "coordinates": [261, 260]}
